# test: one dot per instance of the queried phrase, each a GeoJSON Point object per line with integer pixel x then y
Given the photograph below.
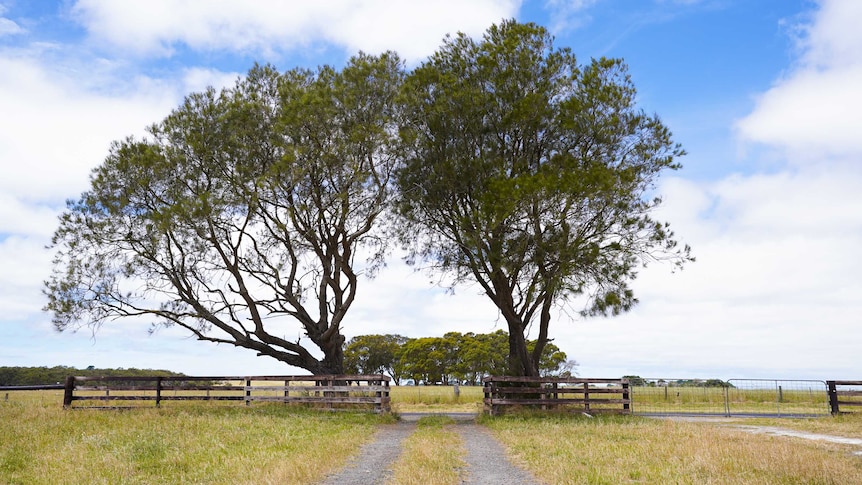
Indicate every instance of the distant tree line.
{"type": "Point", "coordinates": [35, 376]}
{"type": "Point", "coordinates": [639, 381]}
{"type": "Point", "coordinates": [455, 357]}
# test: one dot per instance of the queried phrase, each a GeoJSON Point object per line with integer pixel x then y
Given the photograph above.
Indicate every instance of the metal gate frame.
{"type": "Point", "coordinates": [731, 398]}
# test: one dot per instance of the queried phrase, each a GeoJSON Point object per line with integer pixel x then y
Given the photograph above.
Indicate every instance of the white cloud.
{"type": "Point", "coordinates": [773, 292]}
{"type": "Point", "coordinates": [816, 110]}
{"type": "Point", "coordinates": [8, 27]}
{"type": "Point", "coordinates": [54, 130]}
{"type": "Point", "coordinates": [414, 29]}
{"type": "Point", "coordinates": [568, 15]}
{"type": "Point", "coordinates": [199, 79]}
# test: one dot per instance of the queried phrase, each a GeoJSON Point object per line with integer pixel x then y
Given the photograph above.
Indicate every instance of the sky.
{"type": "Point", "coordinates": [765, 97]}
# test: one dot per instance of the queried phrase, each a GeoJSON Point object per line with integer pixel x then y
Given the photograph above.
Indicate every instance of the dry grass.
{"type": "Point", "coordinates": [433, 454]}
{"type": "Point", "coordinates": [436, 399]}
{"type": "Point", "coordinates": [845, 425]}
{"type": "Point", "coordinates": [43, 444]}
{"type": "Point", "coordinates": [612, 450]}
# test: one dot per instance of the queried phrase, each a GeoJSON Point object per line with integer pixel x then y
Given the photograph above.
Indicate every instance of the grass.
{"type": "Point", "coordinates": [711, 400]}
{"type": "Point", "coordinates": [194, 443]}
{"type": "Point", "coordinates": [431, 455]}
{"type": "Point", "coordinates": [845, 425]}
{"type": "Point", "coordinates": [626, 449]}
{"type": "Point", "coordinates": [436, 399]}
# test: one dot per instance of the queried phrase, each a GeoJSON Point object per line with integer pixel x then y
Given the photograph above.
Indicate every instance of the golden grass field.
{"type": "Point", "coordinates": [631, 449]}
{"type": "Point", "coordinates": [193, 443]}
{"type": "Point", "coordinates": [217, 443]}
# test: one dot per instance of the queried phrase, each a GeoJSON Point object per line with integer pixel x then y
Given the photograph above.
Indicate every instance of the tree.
{"type": "Point", "coordinates": [243, 211]}
{"type": "Point", "coordinates": [531, 175]}
{"type": "Point", "coordinates": [375, 354]}
{"type": "Point", "coordinates": [424, 359]}
{"type": "Point", "coordinates": [552, 359]}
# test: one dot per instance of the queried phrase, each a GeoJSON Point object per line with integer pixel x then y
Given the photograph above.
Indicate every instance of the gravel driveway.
{"type": "Point", "coordinates": [486, 459]}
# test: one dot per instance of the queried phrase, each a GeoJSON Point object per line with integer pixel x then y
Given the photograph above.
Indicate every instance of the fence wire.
{"type": "Point", "coordinates": [733, 397]}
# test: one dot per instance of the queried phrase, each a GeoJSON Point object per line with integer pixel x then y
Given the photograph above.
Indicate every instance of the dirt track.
{"type": "Point", "coordinates": [486, 459]}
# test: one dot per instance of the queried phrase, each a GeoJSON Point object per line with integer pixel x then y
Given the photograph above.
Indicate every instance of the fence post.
{"type": "Point", "coordinates": [587, 397]}
{"type": "Point", "coordinates": [248, 392]}
{"type": "Point", "coordinates": [833, 397]}
{"type": "Point", "coordinates": [627, 403]}
{"type": "Point", "coordinates": [68, 392]}
{"type": "Point", "coordinates": [159, 391]}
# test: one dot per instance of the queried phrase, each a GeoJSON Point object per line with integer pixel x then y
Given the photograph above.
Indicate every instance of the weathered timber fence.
{"type": "Point", "coordinates": [334, 392]}
{"type": "Point", "coordinates": [560, 393]}
{"type": "Point", "coordinates": [844, 397]}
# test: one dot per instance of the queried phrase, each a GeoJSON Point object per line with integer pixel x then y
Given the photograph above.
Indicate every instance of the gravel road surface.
{"type": "Point", "coordinates": [486, 459]}
{"type": "Point", "coordinates": [375, 458]}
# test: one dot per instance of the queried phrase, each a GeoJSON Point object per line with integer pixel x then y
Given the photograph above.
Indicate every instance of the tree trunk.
{"type": "Point", "coordinates": [520, 361]}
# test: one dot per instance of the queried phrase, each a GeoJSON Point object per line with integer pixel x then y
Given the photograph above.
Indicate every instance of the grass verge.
{"type": "Point", "coordinates": [433, 454]}
{"type": "Point", "coordinates": [626, 449]}
{"type": "Point", "coordinates": [845, 425]}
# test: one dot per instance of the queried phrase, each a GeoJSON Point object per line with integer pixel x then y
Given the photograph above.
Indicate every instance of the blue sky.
{"type": "Point", "coordinates": [764, 96]}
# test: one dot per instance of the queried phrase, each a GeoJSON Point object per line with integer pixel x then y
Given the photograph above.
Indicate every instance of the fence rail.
{"type": "Point", "coordinates": [329, 391]}
{"type": "Point", "coordinates": [572, 394]}
{"type": "Point", "coordinates": [844, 397]}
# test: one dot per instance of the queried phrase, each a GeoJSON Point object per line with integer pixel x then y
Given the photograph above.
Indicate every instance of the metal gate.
{"type": "Point", "coordinates": [733, 397]}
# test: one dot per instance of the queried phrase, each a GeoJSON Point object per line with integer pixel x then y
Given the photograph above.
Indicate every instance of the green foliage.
{"type": "Point", "coordinates": [531, 175]}
{"type": "Point", "coordinates": [454, 357]}
{"type": "Point", "coordinates": [240, 213]}
{"type": "Point", "coordinates": [34, 376]}
{"type": "Point", "coordinates": [374, 354]}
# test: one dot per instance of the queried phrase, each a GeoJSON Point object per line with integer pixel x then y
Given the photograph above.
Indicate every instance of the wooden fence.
{"type": "Point", "coordinates": [330, 391]}
{"type": "Point", "coordinates": [838, 397]}
{"type": "Point", "coordinates": [570, 394]}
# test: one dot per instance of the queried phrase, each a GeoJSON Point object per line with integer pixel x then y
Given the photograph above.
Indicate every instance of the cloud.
{"type": "Point", "coordinates": [568, 15]}
{"type": "Point", "coordinates": [8, 27]}
{"type": "Point", "coordinates": [55, 129]}
{"type": "Point", "coordinates": [815, 111]}
{"type": "Point", "coordinates": [157, 27]}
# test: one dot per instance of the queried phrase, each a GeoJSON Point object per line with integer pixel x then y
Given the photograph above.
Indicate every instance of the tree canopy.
{"type": "Point", "coordinates": [241, 212]}
{"type": "Point", "coordinates": [532, 175]}
{"type": "Point", "coordinates": [455, 357]}
{"type": "Point", "coordinates": [501, 161]}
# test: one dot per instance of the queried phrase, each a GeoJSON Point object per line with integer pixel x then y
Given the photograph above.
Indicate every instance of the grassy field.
{"type": "Point", "coordinates": [231, 443]}
{"type": "Point", "coordinates": [195, 443]}
{"type": "Point", "coordinates": [626, 449]}
{"type": "Point", "coordinates": [846, 425]}
{"type": "Point", "coordinates": [718, 400]}
{"type": "Point", "coordinates": [436, 399]}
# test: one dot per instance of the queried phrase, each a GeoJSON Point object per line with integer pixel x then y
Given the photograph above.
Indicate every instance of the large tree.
{"type": "Point", "coordinates": [241, 214]}
{"type": "Point", "coordinates": [532, 175]}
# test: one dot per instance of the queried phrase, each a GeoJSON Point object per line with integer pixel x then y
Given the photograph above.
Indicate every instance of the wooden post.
{"type": "Point", "coordinates": [68, 392]}
{"type": "Point", "coordinates": [833, 397]}
{"type": "Point", "coordinates": [627, 404]}
{"type": "Point", "coordinates": [248, 392]}
{"type": "Point", "coordinates": [159, 392]}
{"type": "Point", "coordinates": [587, 396]}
